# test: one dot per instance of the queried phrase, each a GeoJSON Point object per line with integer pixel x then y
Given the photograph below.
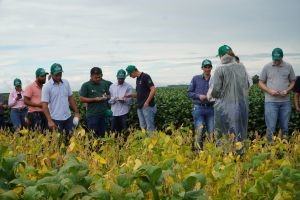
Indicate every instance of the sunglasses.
{"type": "Point", "coordinates": [207, 66]}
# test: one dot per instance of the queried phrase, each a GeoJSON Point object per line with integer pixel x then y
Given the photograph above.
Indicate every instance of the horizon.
{"type": "Point", "coordinates": [166, 39]}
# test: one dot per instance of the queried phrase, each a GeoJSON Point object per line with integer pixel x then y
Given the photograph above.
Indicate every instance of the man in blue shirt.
{"type": "Point", "coordinates": [203, 111]}
{"type": "Point", "coordinates": [57, 97]}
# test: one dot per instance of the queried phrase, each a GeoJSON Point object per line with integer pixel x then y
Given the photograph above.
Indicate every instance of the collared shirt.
{"type": "Point", "coordinates": [119, 108]}
{"type": "Point", "coordinates": [12, 103]}
{"type": "Point", "coordinates": [34, 92]}
{"type": "Point", "coordinates": [277, 78]}
{"type": "Point", "coordinates": [57, 96]}
{"type": "Point", "coordinates": [91, 89]}
{"type": "Point", "coordinates": [198, 86]}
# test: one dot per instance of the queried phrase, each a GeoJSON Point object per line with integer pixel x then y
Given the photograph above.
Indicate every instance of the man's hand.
{"type": "Point", "coordinates": [202, 97]}
{"type": "Point", "coordinates": [146, 105]}
{"type": "Point", "coordinates": [52, 125]}
{"type": "Point", "coordinates": [274, 92]}
{"type": "Point", "coordinates": [283, 93]}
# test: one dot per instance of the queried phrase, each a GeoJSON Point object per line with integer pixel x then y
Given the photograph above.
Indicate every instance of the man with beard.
{"type": "Point", "coordinates": [36, 118]}
{"type": "Point", "coordinates": [57, 99]}
{"type": "Point", "coordinates": [95, 93]}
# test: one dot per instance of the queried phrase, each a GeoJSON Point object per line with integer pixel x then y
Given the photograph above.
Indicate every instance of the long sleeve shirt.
{"type": "Point", "coordinates": [118, 92]}
{"type": "Point", "coordinates": [12, 103]}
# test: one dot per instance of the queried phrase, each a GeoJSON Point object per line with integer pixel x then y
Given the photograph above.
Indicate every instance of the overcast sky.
{"type": "Point", "coordinates": [167, 39]}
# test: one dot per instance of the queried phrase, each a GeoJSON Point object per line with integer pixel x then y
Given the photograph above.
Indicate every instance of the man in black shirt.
{"type": "Point", "coordinates": [145, 91]}
{"type": "Point", "coordinates": [297, 93]}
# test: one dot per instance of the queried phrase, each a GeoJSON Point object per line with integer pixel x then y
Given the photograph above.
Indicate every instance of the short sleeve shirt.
{"type": "Point", "coordinates": [57, 97]}
{"type": "Point", "coordinates": [34, 92]}
{"type": "Point", "coordinates": [297, 85]}
{"type": "Point", "coordinates": [143, 85]}
{"type": "Point", "coordinates": [277, 78]}
{"type": "Point", "coordinates": [91, 89]}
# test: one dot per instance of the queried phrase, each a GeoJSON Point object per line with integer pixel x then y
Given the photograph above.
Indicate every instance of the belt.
{"type": "Point", "coordinates": [205, 104]}
{"type": "Point", "coordinates": [20, 109]}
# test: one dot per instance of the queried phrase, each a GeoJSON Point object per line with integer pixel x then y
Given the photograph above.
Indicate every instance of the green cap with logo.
{"type": "Point", "coordinates": [56, 68]}
{"type": "Point", "coordinates": [224, 49]}
{"type": "Point", "coordinates": [277, 54]}
{"type": "Point", "coordinates": [40, 72]}
{"type": "Point", "coordinates": [206, 62]}
{"type": "Point", "coordinates": [121, 74]}
{"type": "Point", "coordinates": [17, 82]}
{"type": "Point", "coordinates": [130, 69]}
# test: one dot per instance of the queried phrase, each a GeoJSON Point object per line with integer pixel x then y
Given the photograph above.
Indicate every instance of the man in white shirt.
{"type": "Point", "coordinates": [120, 101]}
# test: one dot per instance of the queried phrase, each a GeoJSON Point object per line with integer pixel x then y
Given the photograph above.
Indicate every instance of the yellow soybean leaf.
{"type": "Point", "coordinates": [99, 158]}
{"type": "Point", "coordinates": [238, 145]}
{"type": "Point", "coordinates": [54, 156]}
{"type": "Point", "coordinates": [71, 146]}
{"type": "Point", "coordinates": [24, 131]}
{"type": "Point", "coordinates": [180, 158]}
{"type": "Point", "coordinates": [138, 163]}
{"type": "Point", "coordinates": [81, 132]}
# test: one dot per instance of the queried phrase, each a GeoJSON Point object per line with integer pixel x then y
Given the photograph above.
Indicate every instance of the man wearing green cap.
{"type": "Point", "coordinates": [277, 79]}
{"type": "Point", "coordinates": [36, 118]}
{"type": "Point", "coordinates": [120, 101]}
{"type": "Point", "coordinates": [145, 92]}
{"type": "Point", "coordinates": [230, 89]}
{"type": "Point", "coordinates": [57, 98]}
{"type": "Point", "coordinates": [95, 93]}
{"type": "Point", "coordinates": [17, 105]}
{"type": "Point", "coordinates": [203, 110]}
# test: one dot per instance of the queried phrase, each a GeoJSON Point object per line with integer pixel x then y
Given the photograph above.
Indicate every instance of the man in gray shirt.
{"type": "Point", "coordinates": [277, 79]}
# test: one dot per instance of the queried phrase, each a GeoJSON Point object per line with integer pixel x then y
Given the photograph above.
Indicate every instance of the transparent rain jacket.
{"type": "Point", "coordinates": [230, 89]}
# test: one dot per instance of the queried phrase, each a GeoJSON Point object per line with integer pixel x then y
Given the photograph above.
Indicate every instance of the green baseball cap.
{"type": "Point", "coordinates": [277, 54]}
{"type": "Point", "coordinates": [206, 62]}
{"type": "Point", "coordinates": [17, 82]}
{"type": "Point", "coordinates": [121, 74]}
{"type": "Point", "coordinates": [40, 72]}
{"type": "Point", "coordinates": [56, 68]}
{"type": "Point", "coordinates": [130, 69]}
{"type": "Point", "coordinates": [224, 49]}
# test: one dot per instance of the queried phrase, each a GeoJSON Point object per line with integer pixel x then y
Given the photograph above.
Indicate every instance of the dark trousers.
{"type": "Point", "coordinates": [96, 123]}
{"type": "Point", "coordinates": [2, 121]}
{"type": "Point", "coordinates": [119, 123]}
{"type": "Point", "coordinates": [65, 125]}
{"type": "Point", "coordinates": [37, 121]}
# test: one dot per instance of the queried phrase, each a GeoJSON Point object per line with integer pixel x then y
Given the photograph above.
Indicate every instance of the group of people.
{"type": "Point", "coordinates": [46, 105]}
{"type": "Point", "coordinates": [221, 102]}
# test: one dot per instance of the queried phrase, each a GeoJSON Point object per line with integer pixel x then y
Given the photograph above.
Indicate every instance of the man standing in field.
{"type": "Point", "coordinates": [230, 88]}
{"type": "Point", "coordinates": [203, 110]}
{"type": "Point", "coordinates": [145, 92]}
{"type": "Point", "coordinates": [95, 93]}
{"type": "Point", "coordinates": [277, 79]}
{"type": "Point", "coordinates": [36, 118]}
{"type": "Point", "coordinates": [120, 100]}
{"type": "Point", "coordinates": [57, 97]}
{"type": "Point", "coordinates": [297, 93]}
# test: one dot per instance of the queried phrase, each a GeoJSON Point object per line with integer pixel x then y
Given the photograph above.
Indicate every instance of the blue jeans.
{"type": "Point", "coordinates": [277, 111]}
{"type": "Point", "coordinates": [119, 123]}
{"type": "Point", "coordinates": [146, 117]}
{"type": "Point", "coordinates": [97, 124]}
{"type": "Point", "coordinates": [203, 116]}
{"type": "Point", "coordinates": [65, 125]}
{"type": "Point", "coordinates": [17, 117]}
